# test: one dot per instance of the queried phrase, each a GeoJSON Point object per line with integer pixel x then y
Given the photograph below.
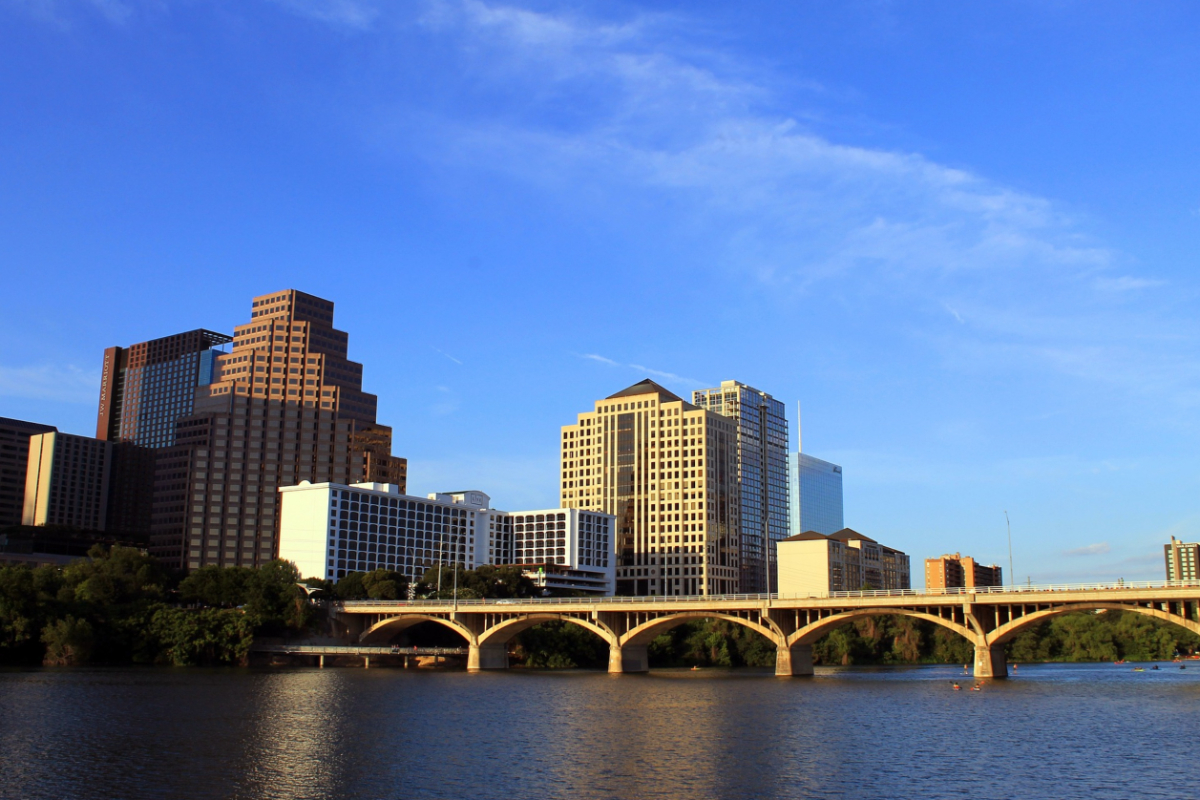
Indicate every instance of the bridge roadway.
{"type": "Point", "coordinates": [365, 652]}
{"type": "Point", "coordinates": [987, 617]}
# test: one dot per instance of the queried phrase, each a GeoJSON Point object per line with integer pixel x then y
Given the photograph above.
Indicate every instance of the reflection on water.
{"type": "Point", "coordinates": [290, 748]}
{"type": "Point", "coordinates": [1086, 731]}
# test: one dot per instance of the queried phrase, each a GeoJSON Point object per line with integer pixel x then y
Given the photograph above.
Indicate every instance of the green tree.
{"type": "Point", "coordinates": [69, 642]}
{"type": "Point", "coordinates": [25, 599]}
{"type": "Point", "coordinates": [113, 575]}
{"type": "Point", "coordinates": [188, 637]}
{"type": "Point", "coordinates": [948, 647]}
{"type": "Point", "coordinates": [219, 587]}
{"type": "Point", "coordinates": [350, 587]}
{"type": "Point", "coordinates": [270, 595]}
{"type": "Point", "coordinates": [486, 581]}
{"type": "Point", "coordinates": [560, 645]}
{"type": "Point", "coordinates": [274, 599]}
{"type": "Point", "coordinates": [1084, 637]}
{"type": "Point", "coordinates": [385, 584]}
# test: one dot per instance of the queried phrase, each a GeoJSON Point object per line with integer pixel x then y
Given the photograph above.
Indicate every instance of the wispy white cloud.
{"type": "Point", "coordinates": [669, 377]}
{"type": "Point", "coordinates": [666, 376]}
{"type": "Point", "coordinates": [447, 355]}
{"type": "Point", "coordinates": [446, 402]}
{"type": "Point", "coordinates": [601, 359]}
{"type": "Point", "coordinates": [636, 105]}
{"type": "Point", "coordinates": [1099, 549]}
{"type": "Point", "coordinates": [1126, 283]}
{"type": "Point", "coordinates": [62, 13]}
{"type": "Point", "coordinates": [65, 384]}
{"type": "Point", "coordinates": [669, 118]}
{"type": "Point", "coordinates": [777, 201]}
{"type": "Point", "coordinates": [1131, 568]}
{"type": "Point", "coordinates": [351, 14]}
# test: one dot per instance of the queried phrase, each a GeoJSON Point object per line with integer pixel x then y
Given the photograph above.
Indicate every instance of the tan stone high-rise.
{"type": "Point", "coordinates": [668, 471]}
{"type": "Point", "coordinates": [285, 406]}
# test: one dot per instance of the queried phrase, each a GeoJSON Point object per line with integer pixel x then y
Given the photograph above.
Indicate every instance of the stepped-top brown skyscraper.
{"type": "Point", "coordinates": [285, 406]}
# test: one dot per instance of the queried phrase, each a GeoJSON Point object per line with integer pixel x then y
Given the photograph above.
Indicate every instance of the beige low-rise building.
{"type": "Point", "coordinates": [815, 564]}
{"type": "Point", "coordinates": [958, 571]}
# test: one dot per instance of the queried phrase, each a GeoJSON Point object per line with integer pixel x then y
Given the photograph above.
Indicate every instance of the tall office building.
{"type": "Point", "coordinates": [762, 451]}
{"type": "Point", "coordinates": [285, 406]}
{"type": "Point", "coordinates": [667, 471]}
{"type": "Point", "coordinates": [816, 494]}
{"type": "Point", "coordinates": [80, 482]}
{"type": "Point", "coordinates": [67, 481]}
{"type": "Point", "coordinates": [1183, 560]}
{"type": "Point", "coordinates": [14, 466]}
{"type": "Point", "coordinates": [147, 387]}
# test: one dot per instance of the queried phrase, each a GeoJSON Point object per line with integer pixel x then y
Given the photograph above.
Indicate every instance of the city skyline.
{"type": "Point", "coordinates": [975, 316]}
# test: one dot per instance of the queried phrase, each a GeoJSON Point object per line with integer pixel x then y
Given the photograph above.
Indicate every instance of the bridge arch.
{"type": "Point", "coordinates": [504, 631]}
{"type": "Point", "coordinates": [810, 633]}
{"type": "Point", "coordinates": [1010, 630]}
{"type": "Point", "coordinates": [646, 632]}
{"type": "Point", "coordinates": [387, 628]}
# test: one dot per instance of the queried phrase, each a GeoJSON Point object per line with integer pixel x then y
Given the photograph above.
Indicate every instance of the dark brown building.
{"type": "Point", "coordinates": [14, 464]}
{"type": "Point", "coordinates": [145, 389]}
{"type": "Point", "coordinates": [89, 484]}
{"type": "Point", "coordinates": [285, 406]}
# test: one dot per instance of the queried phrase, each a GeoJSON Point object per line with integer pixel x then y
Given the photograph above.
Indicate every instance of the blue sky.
{"type": "Point", "coordinates": [963, 236]}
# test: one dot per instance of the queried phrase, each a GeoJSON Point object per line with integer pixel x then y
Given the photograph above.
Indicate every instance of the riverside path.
{"type": "Point", "coordinates": [987, 617]}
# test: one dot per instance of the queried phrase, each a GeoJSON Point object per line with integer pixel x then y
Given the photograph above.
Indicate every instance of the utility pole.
{"type": "Point", "coordinates": [1011, 576]}
{"type": "Point", "coordinates": [441, 557]}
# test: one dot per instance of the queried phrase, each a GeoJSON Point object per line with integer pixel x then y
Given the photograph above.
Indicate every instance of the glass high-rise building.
{"type": "Point", "coordinates": [816, 495]}
{"type": "Point", "coordinates": [147, 387]}
{"type": "Point", "coordinates": [762, 445]}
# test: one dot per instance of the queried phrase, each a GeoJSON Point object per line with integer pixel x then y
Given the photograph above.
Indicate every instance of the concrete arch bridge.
{"type": "Point", "coordinates": [986, 617]}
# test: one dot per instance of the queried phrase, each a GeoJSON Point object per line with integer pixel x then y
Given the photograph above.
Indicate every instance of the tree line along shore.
{"type": "Point", "coordinates": [119, 606]}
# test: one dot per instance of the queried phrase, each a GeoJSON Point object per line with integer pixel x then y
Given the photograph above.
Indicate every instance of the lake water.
{"type": "Point", "coordinates": [1053, 731]}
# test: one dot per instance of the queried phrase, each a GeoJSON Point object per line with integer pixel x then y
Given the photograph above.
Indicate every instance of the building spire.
{"type": "Point", "coordinates": [799, 434]}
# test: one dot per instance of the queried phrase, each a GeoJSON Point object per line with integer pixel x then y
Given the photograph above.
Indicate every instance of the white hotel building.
{"type": "Point", "coordinates": [330, 529]}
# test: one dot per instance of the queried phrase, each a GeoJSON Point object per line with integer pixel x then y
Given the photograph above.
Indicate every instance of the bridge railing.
{"type": "Point", "coordinates": [881, 593]}
{"type": "Point", "coordinates": [356, 650]}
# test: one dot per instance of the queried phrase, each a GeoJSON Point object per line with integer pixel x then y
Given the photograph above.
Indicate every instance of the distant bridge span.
{"type": "Point", "coordinates": [988, 617]}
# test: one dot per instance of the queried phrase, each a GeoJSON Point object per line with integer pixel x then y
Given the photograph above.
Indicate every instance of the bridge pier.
{"type": "Point", "coordinates": [630, 658]}
{"type": "Point", "coordinates": [990, 661]}
{"type": "Point", "coordinates": [794, 661]}
{"type": "Point", "coordinates": [488, 656]}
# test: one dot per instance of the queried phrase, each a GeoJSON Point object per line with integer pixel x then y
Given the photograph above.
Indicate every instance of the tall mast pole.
{"type": "Point", "coordinates": [1008, 524]}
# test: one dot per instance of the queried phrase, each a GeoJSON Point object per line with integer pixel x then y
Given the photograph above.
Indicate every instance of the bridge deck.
{"type": "Point", "coordinates": [356, 650]}
{"type": "Point", "coordinates": [993, 595]}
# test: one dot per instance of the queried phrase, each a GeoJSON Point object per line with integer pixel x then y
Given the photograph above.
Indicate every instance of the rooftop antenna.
{"type": "Point", "coordinates": [1009, 526]}
{"type": "Point", "coordinates": [799, 433]}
